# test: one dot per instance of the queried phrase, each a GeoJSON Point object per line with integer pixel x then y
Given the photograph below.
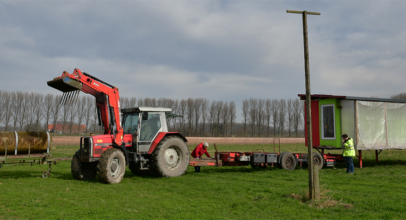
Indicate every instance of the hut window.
{"type": "Point", "coordinates": [328, 124]}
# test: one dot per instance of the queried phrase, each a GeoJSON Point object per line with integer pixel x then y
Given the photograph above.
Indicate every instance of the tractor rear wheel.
{"type": "Point", "coordinates": [111, 166]}
{"type": "Point", "coordinates": [170, 157]}
{"type": "Point", "coordinates": [81, 170]}
{"type": "Point", "coordinates": [288, 161]}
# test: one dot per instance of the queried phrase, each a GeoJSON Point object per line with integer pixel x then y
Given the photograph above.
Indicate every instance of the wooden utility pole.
{"type": "Point", "coordinates": [313, 180]}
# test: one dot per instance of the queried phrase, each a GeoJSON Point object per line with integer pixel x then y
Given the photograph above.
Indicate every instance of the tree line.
{"type": "Point", "coordinates": [30, 111]}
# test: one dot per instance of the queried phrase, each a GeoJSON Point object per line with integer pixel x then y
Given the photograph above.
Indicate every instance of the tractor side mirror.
{"type": "Point", "coordinates": [145, 116]}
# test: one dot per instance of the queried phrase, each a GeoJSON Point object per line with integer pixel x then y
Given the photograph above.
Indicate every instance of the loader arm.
{"type": "Point", "coordinates": [107, 98]}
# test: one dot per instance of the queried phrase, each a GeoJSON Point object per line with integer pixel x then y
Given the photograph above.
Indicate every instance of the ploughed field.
{"type": "Point", "coordinates": [376, 191]}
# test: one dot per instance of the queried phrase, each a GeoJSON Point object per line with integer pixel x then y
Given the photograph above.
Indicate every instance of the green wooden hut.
{"type": "Point", "coordinates": [374, 123]}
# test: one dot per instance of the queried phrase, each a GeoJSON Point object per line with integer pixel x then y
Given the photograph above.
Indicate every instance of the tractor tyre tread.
{"type": "Point", "coordinates": [158, 167]}
{"type": "Point", "coordinates": [81, 170]}
{"type": "Point", "coordinates": [103, 166]}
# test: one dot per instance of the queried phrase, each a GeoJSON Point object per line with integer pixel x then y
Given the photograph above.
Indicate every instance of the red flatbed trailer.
{"type": "Point", "coordinates": [285, 160]}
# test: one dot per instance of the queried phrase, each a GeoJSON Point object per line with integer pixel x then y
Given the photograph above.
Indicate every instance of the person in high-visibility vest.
{"type": "Point", "coordinates": [349, 152]}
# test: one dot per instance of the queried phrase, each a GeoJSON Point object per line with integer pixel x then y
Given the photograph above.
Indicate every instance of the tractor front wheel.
{"type": "Point", "coordinates": [81, 170]}
{"type": "Point", "coordinates": [171, 157]}
{"type": "Point", "coordinates": [111, 166]}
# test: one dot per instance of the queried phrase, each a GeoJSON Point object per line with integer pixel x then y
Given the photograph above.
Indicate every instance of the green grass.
{"type": "Point", "coordinates": [378, 191]}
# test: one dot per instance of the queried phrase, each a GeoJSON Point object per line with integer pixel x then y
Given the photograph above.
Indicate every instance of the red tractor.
{"type": "Point", "coordinates": [135, 137]}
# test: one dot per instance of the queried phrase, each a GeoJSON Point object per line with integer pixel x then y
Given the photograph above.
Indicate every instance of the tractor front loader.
{"type": "Point", "coordinates": [135, 137]}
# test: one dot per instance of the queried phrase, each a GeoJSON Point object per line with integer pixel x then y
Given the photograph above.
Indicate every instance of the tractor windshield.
{"type": "Point", "coordinates": [130, 123]}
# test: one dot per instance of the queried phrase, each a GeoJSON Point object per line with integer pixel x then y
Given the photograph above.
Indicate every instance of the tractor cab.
{"type": "Point", "coordinates": [144, 124]}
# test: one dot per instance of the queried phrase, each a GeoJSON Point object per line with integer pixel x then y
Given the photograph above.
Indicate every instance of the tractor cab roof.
{"type": "Point", "coordinates": [145, 109]}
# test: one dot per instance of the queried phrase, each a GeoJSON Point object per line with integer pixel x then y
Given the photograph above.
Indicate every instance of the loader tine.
{"type": "Point", "coordinates": [64, 97]}
{"type": "Point", "coordinates": [68, 98]}
{"type": "Point", "coordinates": [75, 100]}
{"type": "Point", "coordinates": [72, 93]}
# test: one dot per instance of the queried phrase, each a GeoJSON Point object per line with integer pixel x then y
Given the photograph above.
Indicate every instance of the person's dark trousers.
{"type": "Point", "coordinates": [350, 164]}
{"type": "Point", "coordinates": [197, 169]}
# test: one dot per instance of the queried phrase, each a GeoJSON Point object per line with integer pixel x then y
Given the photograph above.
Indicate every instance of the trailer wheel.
{"type": "Point", "coordinates": [46, 174]}
{"type": "Point", "coordinates": [288, 161]}
{"type": "Point", "coordinates": [170, 157]}
{"type": "Point", "coordinates": [81, 170]}
{"type": "Point", "coordinates": [111, 166]}
{"type": "Point", "coordinates": [280, 159]}
{"type": "Point", "coordinates": [318, 160]}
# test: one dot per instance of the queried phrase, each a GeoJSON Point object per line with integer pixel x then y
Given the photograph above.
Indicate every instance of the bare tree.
{"type": "Point", "coordinates": [148, 102]}
{"type": "Point", "coordinates": [124, 102]}
{"type": "Point", "coordinates": [182, 112]}
{"type": "Point", "coordinates": [65, 111]}
{"type": "Point", "coordinates": [56, 111]}
{"type": "Point", "coordinates": [260, 115]}
{"type": "Point", "coordinates": [81, 111]}
{"type": "Point", "coordinates": [232, 115]}
{"type": "Point", "coordinates": [140, 103]}
{"type": "Point", "coordinates": [20, 110]}
{"type": "Point", "coordinates": [290, 115]}
{"type": "Point", "coordinates": [95, 115]}
{"type": "Point", "coordinates": [7, 109]}
{"type": "Point", "coordinates": [48, 101]}
{"type": "Point", "coordinates": [204, 108]}
{"type": "Point", "coordinates": [296, 116]}
{"type": "Point", "coordinates": [245, 109]}
{"type": "Point", "coordinates": [132, 102]}
{"type": "Point", "coordinates": [197, 112]}
{"type": "Point", "coordinates": [253, 114]}
{"type": "Point", "coordinates": [399, 96]}
{"type": "Point", "coordinates": [225, 118]}
{"type": "Point", "coordinates": [175, 109]}
{"type": "Point", "coordinates": [282, 116]}
{"type": "Point", "coordinates": [275, 115]}
{"type": "Point", "coordinates": [73, 113]}
{"type": "Point", "coordinates": [212, 117]}
{"type": "Point", "coordinates": [219, 108]}
{"type": "Point", "coordinates": [38, 110]}
{"type": "Point", "coordinates": [190, 114]}
{"type": "Point", "coordinates": [89, 111]}
{"type": "Point", "coordinates": [2, 94]}
{"type": "Point", "coordinates": [268, 114]}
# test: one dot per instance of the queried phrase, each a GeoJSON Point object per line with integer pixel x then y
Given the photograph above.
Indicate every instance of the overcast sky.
{"type": "Point", "coordinates": [219, 50]}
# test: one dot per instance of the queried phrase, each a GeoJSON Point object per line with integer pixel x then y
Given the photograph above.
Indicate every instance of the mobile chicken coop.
{"type": "Point", "coordinates": [374, 124]}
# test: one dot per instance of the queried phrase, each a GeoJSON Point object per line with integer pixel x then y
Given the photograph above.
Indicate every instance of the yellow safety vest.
{"type": "Point", "coordinates": [349, 150]}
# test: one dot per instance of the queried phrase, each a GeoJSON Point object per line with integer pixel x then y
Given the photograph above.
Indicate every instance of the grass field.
{"type": "Point", "coordinates": [378, 191]}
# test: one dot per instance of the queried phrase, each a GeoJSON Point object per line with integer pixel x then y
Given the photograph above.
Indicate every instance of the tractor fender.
{"type": "Point", "coordinates": [160, 136]}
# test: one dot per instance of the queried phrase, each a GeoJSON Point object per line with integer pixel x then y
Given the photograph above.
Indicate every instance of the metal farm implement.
{"type": "Point", "coordinates": [28, 148]}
